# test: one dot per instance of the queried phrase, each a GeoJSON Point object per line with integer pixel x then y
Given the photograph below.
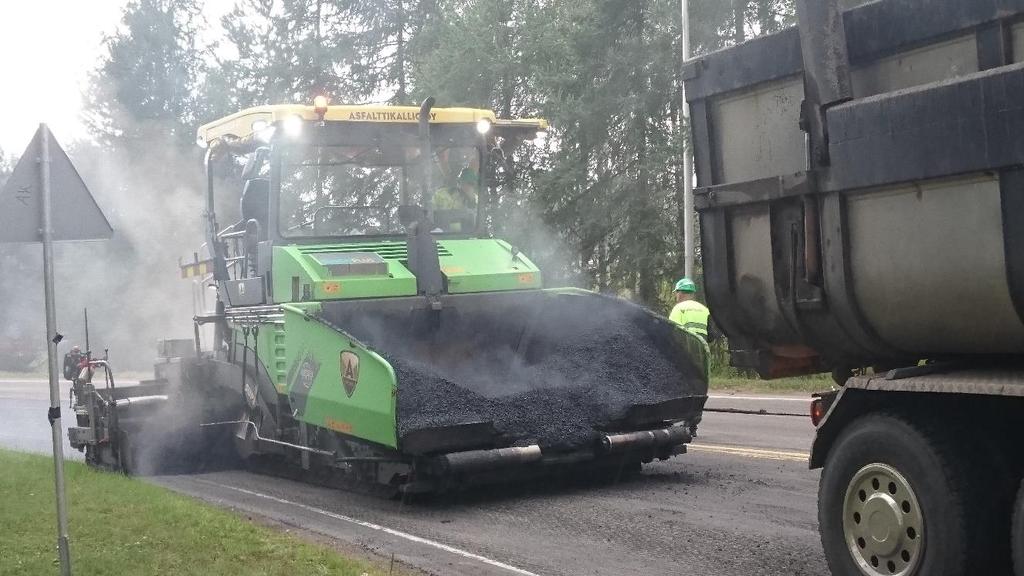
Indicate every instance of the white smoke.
{"type": "Point", "coordinates": [130, 284]}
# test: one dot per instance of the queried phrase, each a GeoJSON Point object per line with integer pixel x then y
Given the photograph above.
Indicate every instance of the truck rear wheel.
{"type": "Point", "coordinates": [893, 500]}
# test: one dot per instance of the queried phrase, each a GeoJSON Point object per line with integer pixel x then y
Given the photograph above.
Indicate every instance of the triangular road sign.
{"type": "Point", "coordinates": [75, 215]}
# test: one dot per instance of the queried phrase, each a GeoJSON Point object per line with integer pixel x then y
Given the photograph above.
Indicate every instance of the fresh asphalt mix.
{"type": "Point", "coordinates": [742, 501]}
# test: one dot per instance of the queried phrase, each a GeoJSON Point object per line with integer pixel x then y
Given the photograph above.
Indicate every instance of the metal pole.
{"type": "Point", "coordinates": [427, 156]}
{"type": "Point", "coordinates": [688, 211]}
{"type": "Point", "coordinates": [88, 350]}
{"type": "Point", "coordinates": [51, 352]}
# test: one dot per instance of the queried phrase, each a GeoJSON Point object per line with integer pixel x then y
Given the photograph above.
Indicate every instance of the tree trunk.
{"type": "Point", "coordinates": [400, 58]}
{"type": "Point", "coordinates": [504, 41]}
{"type": "Point", "coordinates": [317, 62]}
{"type": "Point", "coordinates": [766, 16]}
{"type": "Point", "coordinates": [739, 8]}
{"type": "Point", "coordinates": [646, 284]}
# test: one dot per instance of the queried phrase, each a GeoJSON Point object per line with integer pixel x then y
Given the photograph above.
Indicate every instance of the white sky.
{"type": "Point", "coordinates": [47, 49]}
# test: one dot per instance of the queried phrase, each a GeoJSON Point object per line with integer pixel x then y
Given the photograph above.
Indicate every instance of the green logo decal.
{"type": "Point", "coordinates": [301, 378]}
{"type": "Point", "coordinates": [349, 371]}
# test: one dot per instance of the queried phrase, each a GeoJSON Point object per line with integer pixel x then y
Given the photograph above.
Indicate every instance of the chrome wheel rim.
{"type": "Point", "coordinates": [882, 522]}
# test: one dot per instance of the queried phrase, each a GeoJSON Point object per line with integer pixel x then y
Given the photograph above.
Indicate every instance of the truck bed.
{"type": "Point", "coordinates": [907, 243]}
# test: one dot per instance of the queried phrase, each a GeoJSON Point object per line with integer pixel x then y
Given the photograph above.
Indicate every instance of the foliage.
{"type": "Point", "coordinates": [281, 52]}
{"type": "Point", "coordinates": [598, 203]}
{"type": "Point", "coordinates": [386, 36]}
{"type": "Point", "coordinates": [146, 88]}
{"type": "Point", "coordinates": [806, 385]}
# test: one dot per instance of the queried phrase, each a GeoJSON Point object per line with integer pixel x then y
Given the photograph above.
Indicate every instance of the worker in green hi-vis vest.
{"type": "Point", "coordinates": [455, 206]}
{"type": "Point", "coordinates": [694, 318]}
{"type": "Point", "coordinates": [688, 312]}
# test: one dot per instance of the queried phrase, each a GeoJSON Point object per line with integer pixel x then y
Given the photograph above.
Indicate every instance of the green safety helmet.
{"type": "Point", "coordinates": [686, 285]}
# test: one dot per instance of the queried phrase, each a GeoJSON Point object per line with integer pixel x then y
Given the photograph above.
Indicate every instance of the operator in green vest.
{"type": "Point", "coordinates": [455, 206]}
{"type": "Point", "coordinates": [462, 195]}
{"type": "Point", "coordinates": [688, 312]}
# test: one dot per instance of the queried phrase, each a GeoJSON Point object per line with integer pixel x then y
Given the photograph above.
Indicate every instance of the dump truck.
{"type": "Point", "coordinates": [861, 201]}
{"type": "Point", "coordinates": [366, 324]}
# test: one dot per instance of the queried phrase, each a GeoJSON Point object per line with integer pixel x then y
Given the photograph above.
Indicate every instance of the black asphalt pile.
{"type": "Point", "coordinates": [547, 369]}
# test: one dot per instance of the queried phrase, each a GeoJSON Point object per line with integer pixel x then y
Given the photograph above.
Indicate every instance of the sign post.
{"type": "Point", "coordinates": [28, 214]}
{"type": "Point", "coordinates": [52, 338]}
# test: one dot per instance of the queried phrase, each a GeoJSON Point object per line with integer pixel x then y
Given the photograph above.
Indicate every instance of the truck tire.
{"type": "Point", "coordinates": [1017, 534]}
{"type": "Point", "coordinates": [893, 499]}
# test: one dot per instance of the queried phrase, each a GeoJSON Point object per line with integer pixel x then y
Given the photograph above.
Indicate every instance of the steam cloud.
{"type": "Point", "coordinates": [131, 284]}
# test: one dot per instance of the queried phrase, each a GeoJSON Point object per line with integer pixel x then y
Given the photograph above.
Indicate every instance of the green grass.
{"type": "Point", "coordinates": [725, 378]}
{"type": "Point", "coordinates": [803, 384]}
{"type": "Point", "coordinates": [120, 525]}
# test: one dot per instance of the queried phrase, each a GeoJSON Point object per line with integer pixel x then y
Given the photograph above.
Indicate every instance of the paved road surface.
{"type": "Point", "coordinates": [742, 502]}
{"type": "Point", "coordinates": [23, 424]}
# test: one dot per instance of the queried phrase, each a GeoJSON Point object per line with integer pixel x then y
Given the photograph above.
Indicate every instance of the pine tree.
{"type": "Point", "coordinates": [773, 15]}
{"type": "Point", "coordinates": [285, 51]}
{"type": "Point", "coordinates": [385, 36]}
{"type": "Point", "coordinates": [611, 187]}
{"type": "Point", "coordinates": [145, 88]}
{"type": "Point", "coordinates": [716, 24]}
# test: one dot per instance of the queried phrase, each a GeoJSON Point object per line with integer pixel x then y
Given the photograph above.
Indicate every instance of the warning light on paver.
{"type": "Point", "coordinates": [320, 105]}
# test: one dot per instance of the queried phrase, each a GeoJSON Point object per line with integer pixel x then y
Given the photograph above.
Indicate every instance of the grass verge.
{"type": "Point", "coordinates": [120, 525]}
{"type": "Point", "coordinates": [803, 384]}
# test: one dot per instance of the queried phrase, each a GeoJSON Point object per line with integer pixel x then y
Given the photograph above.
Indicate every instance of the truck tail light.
{"type": "Point", "coordinates": [818, 410]}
